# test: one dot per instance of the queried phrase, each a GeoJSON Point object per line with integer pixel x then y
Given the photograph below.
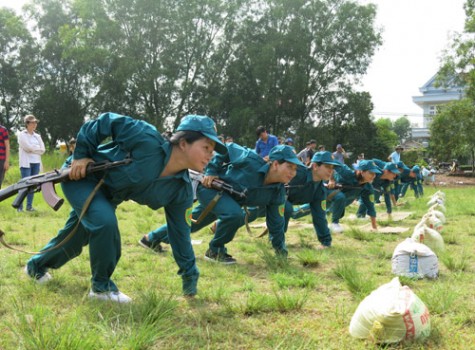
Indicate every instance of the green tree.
{"type": "Point", "coordinates": [295, 63]}
{"type": "Point", "coordinates": [289, 65]}
{"type": "Point", "coordinates": [459, 61]}
{"type": "Point", "coordinates": [156, 60]}
{"type": "Point", "coordinates": [402, 128]}
{"type": "Point", "coordinates": [452, 133]}
{"type": "Point", "coordinates": [359, 133]}
{"type": "Point", "coordinates": [387, 138]}
{"type": "Point", "coordinates": [17, 68]}
{"type": "Point", "coordinates": [61, 90]}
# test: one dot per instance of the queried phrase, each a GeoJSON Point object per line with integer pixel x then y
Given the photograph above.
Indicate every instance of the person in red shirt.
{"type": "Point", "coordinates": [4, 153]}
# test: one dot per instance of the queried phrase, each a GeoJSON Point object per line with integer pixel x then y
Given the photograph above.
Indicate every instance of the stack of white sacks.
{"type": "Point", "coordinates": [393, 313]}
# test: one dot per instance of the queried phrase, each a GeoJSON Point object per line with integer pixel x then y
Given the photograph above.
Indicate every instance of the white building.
{"type": "Point", "coordinates": [432, 97]}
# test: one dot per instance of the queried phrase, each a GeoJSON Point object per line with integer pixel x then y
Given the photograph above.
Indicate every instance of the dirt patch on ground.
{"type": "Point", "coordinates": [454, 180]}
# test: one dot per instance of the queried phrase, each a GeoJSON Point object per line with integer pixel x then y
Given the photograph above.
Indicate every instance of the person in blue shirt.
{"type": "Point", "coordinates": [290, 142]}
{"type": "Point", "coordinates": [157, 177]}
{"type": "Point", "coordinates": [308, 187]}
{"type": "Point", "coordinates": [340, 154]}
{"type": "Point", "coordinates": [395, 157]}
{"type": "Point", "coordinates": [263, 183]}
{"type": "Point", "coordinates": [382, 184]}
{"type": "Point", "coordinates": [353, 185]}
{"type": "Point", "coordinates": [265, 142]}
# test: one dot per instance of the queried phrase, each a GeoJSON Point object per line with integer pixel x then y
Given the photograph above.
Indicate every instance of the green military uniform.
{"type": "Point", "coordinates": [412, 178]}
{"type": "Point", "coordinates": [351, 190]}
{"type": "Point", "coordinates": [245, 171]}
{"type": "Point", "coordinates": [139, 181]}
{"type": "Point", "coordinates": [303, 189]}
{"type": "Point", "coordinates": [381, 186]}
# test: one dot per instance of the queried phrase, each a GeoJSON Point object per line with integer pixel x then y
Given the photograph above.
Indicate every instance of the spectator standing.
{"type": "Point", "coordinates": [290, 142]}
{"type": "Point", "coordinates": [302, 155]}
{"type": "Point", "coordinates": [358, 160]}
{"type": "Point", "coordinates": [4, 153]}
{"type": "Point", "coordinates": [340, 155]}
{"type": "Point", "coordinates": [71, 145]}
{"type": "Point", "coordinates": [265, 142]}
{"type": "Point", "coordinates": [311, 151]}
{"type": "Point", "coordinates": [395, 157]}
{"type": "Point", "coordinates": [31, 147]}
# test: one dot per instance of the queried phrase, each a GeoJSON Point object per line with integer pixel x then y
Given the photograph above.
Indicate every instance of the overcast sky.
{"type": "Point", "coordinates": [415, 33]}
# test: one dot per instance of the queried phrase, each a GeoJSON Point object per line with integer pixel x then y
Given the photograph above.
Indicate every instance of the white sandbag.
{"type": "Point", "coordinates": [438, 197]}
{"type": "Point", "coordinates": [435, 200]}
{"type": "Point", "coordinates": [429, 237]}
{"type": "Point", "coordinates": [439, 214]}
{"type": "Point", "coordinates": [414, 260]}
{"type": "Point", "coordinates": [440, 194]}
{"type": "Point", "coordinates": [438, 206]}
{"type": "Point", "coordinates": [434, 222]}
{"type": "Point", "coordinates": [390, 314]}
{"type": "Point", "coordinates": [431, 220]}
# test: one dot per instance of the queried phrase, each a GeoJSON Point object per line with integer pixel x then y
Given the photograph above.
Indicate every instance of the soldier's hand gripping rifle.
{"type": "Point", "coordinates": [216, 184]}
{"type": "Point", "coordinates": [45, 183]}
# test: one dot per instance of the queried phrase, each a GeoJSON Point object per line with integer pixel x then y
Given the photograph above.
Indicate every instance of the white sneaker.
{"type": "Point", "coordinates": [117, 297]}
{"type": "Point", "coordinates": [42, 280]}
{"type": "Point", "coordinates": [336, 228]}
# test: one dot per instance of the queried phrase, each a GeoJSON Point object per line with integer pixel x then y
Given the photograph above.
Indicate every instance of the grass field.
{"type": "Point", "coordinates": [260, 303]}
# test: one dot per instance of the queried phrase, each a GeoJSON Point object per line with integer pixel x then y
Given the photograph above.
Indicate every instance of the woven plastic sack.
{"type": "Point", "coordinates": [438, 197]}
{"type": "Point", "coordinates": [414, 260]}
{"type": "Point", "coordinates": [432, 221]}
{"type": "Point", "coordinates": [439, 207]}
{"type": "Point", "coordinates": [429, 237]}
{"type": "Point", "coordinates": [438, 214]}
{"type": "Point", "coordinates": [391, 314]}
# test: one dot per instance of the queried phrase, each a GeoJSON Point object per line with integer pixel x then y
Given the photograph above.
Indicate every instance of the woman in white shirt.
{"type": "Point", "coordinates": [30, 151]}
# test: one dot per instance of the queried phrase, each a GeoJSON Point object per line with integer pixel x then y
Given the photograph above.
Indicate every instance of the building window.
{"type": "Point", "coordinates": [434, 109]}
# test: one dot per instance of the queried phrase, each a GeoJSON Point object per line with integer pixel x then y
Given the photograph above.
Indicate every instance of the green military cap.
{"type": "Point", "coordinates": [204, 125]}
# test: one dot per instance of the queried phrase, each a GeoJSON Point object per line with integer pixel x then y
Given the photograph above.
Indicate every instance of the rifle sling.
{"type": "Point", "coordinates": [264, 233]}
{"type": "Point", "coordinates": [69, 236]}
{"type": "Point", "coordinates": [333, 194]}
{"type": "Point", "coordinates": [246, 220]}
{"type": "Point", "coordinates": [208, 208]}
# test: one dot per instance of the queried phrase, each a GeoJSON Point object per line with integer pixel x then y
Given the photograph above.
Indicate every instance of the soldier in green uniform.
{"type": "Point", "coordinates": [264, 185]}
{"type": "Point", "coordinates": [382, 184]}
{"type": "Point", "coordinates": [308, 187]}
{"type": "Point", "coordinates": [413, 179]}
{"type": "Point", "coordinates": [156, 177]}
{"type": "Point", "coordinates": [353, 185]}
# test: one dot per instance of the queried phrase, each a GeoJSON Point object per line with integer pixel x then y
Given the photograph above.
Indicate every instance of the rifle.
{"type": "Point", "coordinates": [217, 184]}
{"type": "Point", "coordinates": [45, 183]}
